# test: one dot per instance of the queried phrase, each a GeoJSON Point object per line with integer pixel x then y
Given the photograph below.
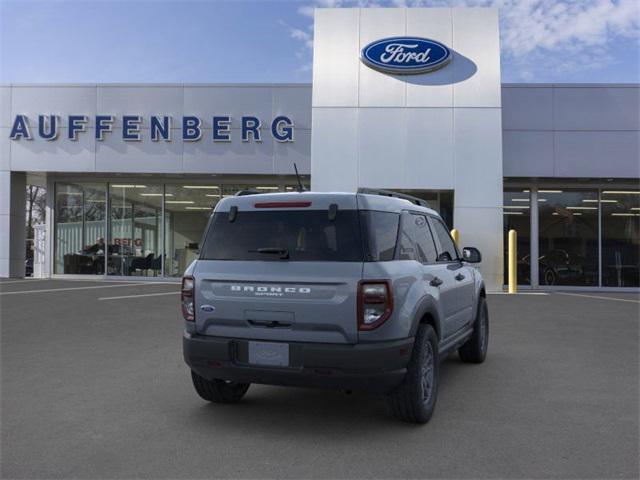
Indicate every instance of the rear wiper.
{"type": "Point", "coordinates": [283, 252]}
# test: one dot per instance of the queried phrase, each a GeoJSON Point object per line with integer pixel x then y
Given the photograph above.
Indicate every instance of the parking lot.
{"type": "Point", "coordinates": [94, 386]}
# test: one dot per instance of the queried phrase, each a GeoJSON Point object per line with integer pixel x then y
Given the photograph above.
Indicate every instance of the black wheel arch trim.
{"type": "Point", "coordinates": [427, 307]}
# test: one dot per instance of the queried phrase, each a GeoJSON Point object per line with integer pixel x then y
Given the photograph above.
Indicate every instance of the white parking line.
{"type": "Point", "coordinates": [66, 289]}
{"type": "Point", "coordinates": [138, 296]}
{"type": "Point", "coordinates": [599, 297]}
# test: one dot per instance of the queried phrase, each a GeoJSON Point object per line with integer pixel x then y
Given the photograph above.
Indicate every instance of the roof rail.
{"type": "Point", "coordinates": [390, 193]}
{"type": "Point", "coordinates": [249, 191]}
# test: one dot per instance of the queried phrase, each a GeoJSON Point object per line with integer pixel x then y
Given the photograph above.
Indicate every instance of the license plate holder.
{"type": "Point", "coordinates": [269, 354]}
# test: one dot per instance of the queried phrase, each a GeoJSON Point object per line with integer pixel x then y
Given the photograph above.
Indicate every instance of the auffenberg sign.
{"type": "Point", "coordinates": [49, 127]}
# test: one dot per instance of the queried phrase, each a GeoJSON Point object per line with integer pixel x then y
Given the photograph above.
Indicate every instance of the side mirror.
{"type": "Point", "coordinates": [471, 255]}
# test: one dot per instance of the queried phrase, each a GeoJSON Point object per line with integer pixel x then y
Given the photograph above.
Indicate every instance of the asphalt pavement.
{"type": "Point", "coordinates": [94, 386]}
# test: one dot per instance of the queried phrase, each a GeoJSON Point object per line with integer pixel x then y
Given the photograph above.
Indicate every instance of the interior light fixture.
{"type": "Point", "coordinates": [201, 187]}
{"type": "Point", "coordinates": [180, 201]}
{"type": "Point", "coordinates": [197, 208]}
{"type": "Point", "coordinates": [542, 199]}
{"type": "Point", "coordinates": [576, 213]}
{"type": "Point", "coordinates": [129, 186]}
{"type": "Point", "coordinates": [519, 199]}
{"type": "Point", "coordinates": [621, 192]}
{"type": "Point", "coordinates": [215, 195]}
{"type": "Point", "coordinates": [590, 200]}
{"type": "Point", "coordinates": [266, 188]}
{"type": "Point", "coordinates": [525, 191]}
{"type": "Point", "coordinates": [156, 194]}
{"type": "Point", "coordinates": [625, 214]}
{"type": "Point", "coordinates": [549, 191]}
{"type": "Point", "coordinates": [581, 208]}
{"type": "Point", "coordinates": [515, 206]}
{"type": "Point", "coordinates": [513, 213]}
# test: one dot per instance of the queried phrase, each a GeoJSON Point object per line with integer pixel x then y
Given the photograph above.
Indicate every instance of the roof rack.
{"type": "Point", "coordinates": [390, 193]}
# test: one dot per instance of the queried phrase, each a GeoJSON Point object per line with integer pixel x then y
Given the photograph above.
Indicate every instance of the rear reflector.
{"type": "Point", "coordinates": [282, 204]}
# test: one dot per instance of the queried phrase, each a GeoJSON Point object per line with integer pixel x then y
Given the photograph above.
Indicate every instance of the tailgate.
{"type": "Point", "coordinates": [279, 301]}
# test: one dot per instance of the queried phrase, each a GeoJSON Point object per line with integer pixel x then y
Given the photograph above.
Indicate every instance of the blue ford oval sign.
{"type": "Point", "coordinates": [405, 55]}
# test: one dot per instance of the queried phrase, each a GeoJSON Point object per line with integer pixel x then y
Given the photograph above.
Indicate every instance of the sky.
{"type": "Point", "coordinates": [212, 41]}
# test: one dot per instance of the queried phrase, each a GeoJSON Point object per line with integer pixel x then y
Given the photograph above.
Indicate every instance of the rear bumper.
{"type": "Point", "coordinates": [370, 367]}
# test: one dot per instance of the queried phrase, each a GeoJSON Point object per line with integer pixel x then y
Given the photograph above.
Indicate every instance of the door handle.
{"type": "Point", "coordinates": [459, 277]}
{"type": "Point", "coordinates": [436, 282]}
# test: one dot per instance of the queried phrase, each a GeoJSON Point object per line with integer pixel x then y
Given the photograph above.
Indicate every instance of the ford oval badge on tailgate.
{"type": "Point", "coordinates": [405, 55]}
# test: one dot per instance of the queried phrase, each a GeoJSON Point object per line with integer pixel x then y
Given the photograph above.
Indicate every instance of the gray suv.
{"type": "Point", "coordinates": [350, 291]}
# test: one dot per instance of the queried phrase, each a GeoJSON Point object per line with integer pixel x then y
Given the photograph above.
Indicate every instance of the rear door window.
{"type": "Point", "coordinates": [416, 242]}
{"type": "Point", "coordinates": [291, 235]}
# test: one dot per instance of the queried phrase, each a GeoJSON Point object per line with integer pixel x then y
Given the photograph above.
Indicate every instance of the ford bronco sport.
{"type": "Point", "coordinates": [351, 291]}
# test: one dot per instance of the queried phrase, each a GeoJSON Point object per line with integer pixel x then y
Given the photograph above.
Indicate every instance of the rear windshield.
{"type": "Point", "coordinates": [289, 235]}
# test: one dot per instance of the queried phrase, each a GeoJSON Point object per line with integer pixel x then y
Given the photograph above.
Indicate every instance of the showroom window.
{"type": "Point", "coordinates": [79, 228]}
{"type": "Point", "coordinates": [517, 216]}
{"type": "Point", "coordinates": [187, 210]}
{"type": "Point", "coordinates": [620, 238]}
{"type": "Point", "coordinates": [135, 216]}
{"type": "Point", "coordinates": [568, 237]}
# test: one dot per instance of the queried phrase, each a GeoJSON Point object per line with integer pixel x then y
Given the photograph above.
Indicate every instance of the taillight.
{"type": "Point", "coordinates": [375, 303]}
{"type": "Point", "coordinates": [186, 299]}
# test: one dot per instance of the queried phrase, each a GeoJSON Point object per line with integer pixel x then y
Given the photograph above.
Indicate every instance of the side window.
{"type": "Point", "coordinates": [448, 250]}
{"type": "Point", "coordinates": [380, 232]}
{"type": "Point", "coordinates": [415, 240]}
{"type": "Point", "coordinates": [425, 239]}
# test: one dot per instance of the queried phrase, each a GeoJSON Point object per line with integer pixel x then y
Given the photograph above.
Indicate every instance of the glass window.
{"type": "Point", "coordinates": [79, 228]}
{"type": "Point", "coordinates": [620, 238]}
{"type": "Point", "coordinates": [448, 251]}
{"type": "Point", "coordinates": [425, 239]}
{"type": "Point", "coordinates": [380, 230]}
{"type": "Point", "coordinates": [416, 242]}
{"type": "Point", "coordinates": [408, 240]}
{"type": "Point", "coordinates": [306, 235]}
{"type": "Point", "coordinates": [568, 237]}
{"type": "Point", "coordinates": [517, 216]}
{"type": "Point", "coordinates": [187, 210]}
{"type": "Point", "coordinates": [135, 215]}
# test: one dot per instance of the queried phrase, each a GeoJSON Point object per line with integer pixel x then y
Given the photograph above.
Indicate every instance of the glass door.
{"type": "Point", "coordinates": [135, 218]}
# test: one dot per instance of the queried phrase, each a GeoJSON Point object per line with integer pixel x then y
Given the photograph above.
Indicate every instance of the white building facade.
{"type": "Point", "coordinates": [133, 170]}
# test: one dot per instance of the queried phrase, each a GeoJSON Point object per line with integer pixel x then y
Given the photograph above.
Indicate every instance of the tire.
{"type": "Point", "coordinates": [474, 350]}
{"type": "Point", "coordinates": [414, 400]}
{"type": "Point", "coordinates": [219, 391]}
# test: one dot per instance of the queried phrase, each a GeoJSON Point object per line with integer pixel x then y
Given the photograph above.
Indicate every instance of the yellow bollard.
{"type": "Point", "coordinates": [513, 273]}
{"type": "Point", "coordinates": [455, 234]}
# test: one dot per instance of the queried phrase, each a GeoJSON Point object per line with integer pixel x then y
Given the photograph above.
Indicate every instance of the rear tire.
{"type": "Point", "coordinates": [414, 400]}
{"type": "Point", "coordinates": [474, 350]}
{"type": "Point", "coordinates": [219, 391]}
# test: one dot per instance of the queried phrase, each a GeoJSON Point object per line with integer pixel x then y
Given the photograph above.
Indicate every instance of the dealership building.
{"type": "Point", "coordinates": [133, 170]}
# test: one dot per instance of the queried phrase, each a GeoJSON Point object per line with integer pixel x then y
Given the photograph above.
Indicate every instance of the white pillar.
{"type": "Point", "coordinates": [12, 223]}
